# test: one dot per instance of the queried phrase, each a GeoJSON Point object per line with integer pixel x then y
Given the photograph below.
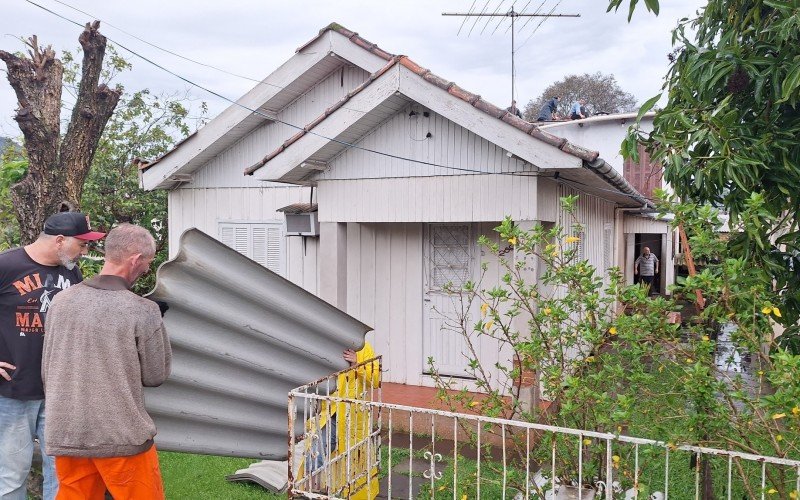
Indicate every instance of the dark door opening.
{"type": "Point", "coordinates": [653, 242]}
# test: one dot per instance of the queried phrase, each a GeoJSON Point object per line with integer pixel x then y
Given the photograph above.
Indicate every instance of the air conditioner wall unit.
{"type": "Point", "coordinates": [304, 224]}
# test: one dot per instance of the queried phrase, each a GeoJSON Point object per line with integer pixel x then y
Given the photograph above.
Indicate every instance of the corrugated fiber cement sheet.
{"type": "Point", "coordinates": [242, 337]}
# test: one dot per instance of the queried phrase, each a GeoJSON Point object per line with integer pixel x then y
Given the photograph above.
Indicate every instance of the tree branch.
{"type": "Point", "coordinates": [93, 108]}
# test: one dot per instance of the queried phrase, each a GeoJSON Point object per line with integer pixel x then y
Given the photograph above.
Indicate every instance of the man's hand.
{"type": "Point", "coordinates": [4, 373]}
{"type": "Point", "coordinates": [636, 270]}
{"type": "Point", "coordinates": [350, 356]}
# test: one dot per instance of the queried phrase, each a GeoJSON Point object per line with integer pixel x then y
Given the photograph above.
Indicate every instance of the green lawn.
{"type": "Point", "coordinates": [189, 476]}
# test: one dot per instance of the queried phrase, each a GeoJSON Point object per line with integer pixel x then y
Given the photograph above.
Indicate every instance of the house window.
{"type": "Point", "coordinates": [262, 242]}
{"type": "Point", "coordinates": [451, 256]}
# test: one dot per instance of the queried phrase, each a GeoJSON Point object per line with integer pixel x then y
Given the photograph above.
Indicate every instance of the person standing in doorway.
{"type": "Point", "coordinates": [30, 277]}
{"type": "Point", "coordinates": [103, 345]}
{"type": "Point", "coordinates": [646, 266]}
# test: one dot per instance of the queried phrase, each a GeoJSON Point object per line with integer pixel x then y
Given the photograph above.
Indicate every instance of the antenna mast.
{"type": "Point", "coordinates": [513, 15]}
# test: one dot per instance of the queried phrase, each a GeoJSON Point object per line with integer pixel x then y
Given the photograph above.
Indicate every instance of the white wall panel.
{"type": "Point", "coordinates": [206, 208]}
{"type": "Point", "coordinates": [593, 214]}
{"type": "Point", "coordinates": [635, 224]}
{"type": "Point", "coordinates": [464, 198]}
{"type": "Point", "coordinates": [450, 145]}
{"type": "Point", "coordinates": [226, 170]}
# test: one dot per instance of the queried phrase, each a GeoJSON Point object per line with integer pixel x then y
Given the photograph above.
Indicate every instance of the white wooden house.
{"type": "Point", "coordinates": [406, 170]}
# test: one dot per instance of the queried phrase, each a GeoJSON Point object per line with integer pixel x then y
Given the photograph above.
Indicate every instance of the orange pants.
{"type": "Point", "coordinates": [135, 477]}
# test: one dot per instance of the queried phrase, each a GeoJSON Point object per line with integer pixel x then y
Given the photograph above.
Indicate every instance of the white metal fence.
{"type": "Point", "coordinates": [463, 456]}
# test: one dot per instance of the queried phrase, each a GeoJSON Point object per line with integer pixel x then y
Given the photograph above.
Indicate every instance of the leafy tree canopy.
{"type": "Point", "coordinates": [729, 134]}
{"type": "Point", "coordinates": [602, 93]}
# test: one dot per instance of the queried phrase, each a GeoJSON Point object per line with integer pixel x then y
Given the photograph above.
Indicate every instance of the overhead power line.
{"type": "Point", "coordinates": [273, 117]}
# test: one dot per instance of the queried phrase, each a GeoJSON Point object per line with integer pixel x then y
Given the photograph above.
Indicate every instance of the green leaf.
{"type": "Point", "coordinates": [652, 6]}
{"type": "Point", "coordinates": [647, 106]}
{"type": "Point", "coordinates": [791, 83]}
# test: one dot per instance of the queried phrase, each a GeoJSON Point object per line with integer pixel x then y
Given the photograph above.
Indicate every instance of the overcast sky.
{"type": "Point", "coordinates": [253, 37]}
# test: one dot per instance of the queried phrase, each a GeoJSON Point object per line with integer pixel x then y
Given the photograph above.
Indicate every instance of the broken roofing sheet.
{"type": "Point", "coordinates": [242, 337]}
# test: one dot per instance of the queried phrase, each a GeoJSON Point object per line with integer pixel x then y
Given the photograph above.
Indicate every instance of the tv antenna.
{"type": "Point", "coordinates": [513, 15]}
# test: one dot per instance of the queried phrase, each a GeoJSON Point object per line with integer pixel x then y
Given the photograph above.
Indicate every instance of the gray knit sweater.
{"type": "Point", "coordinates": [102, 345]}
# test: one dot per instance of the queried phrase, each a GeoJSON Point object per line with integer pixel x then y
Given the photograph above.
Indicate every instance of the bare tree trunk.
{"type": "Point", "coordinates": [57, 168]}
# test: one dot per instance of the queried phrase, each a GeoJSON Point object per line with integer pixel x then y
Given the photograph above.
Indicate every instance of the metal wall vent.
{"type": "Point", "coordinates": [242, 337]}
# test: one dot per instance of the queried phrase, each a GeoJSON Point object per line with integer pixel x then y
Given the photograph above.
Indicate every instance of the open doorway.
{"type": "Point", "coordinates": [653, 242]}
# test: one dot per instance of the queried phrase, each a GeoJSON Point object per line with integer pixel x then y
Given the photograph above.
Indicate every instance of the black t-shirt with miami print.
{"type": "Point", "coordinates": [26, 290]}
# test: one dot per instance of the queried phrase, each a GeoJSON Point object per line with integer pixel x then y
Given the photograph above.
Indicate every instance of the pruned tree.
{"type": "Point", "coordinates": [58, 164]}
{"type": "Point", "coordinates": [602, 93]}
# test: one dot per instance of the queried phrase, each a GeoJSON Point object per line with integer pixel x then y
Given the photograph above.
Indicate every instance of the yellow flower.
{"type": "Point", "coordinates": [441, 488]}
{"type": "Point", "coordinates": [484, 309]}
{"type": "Point", "coordinates": [554, 253]}
{"type": "Point", "coordinates": [572, 239]}
{"type": "Point", "coordinates": [689, 360]}
{"type": "Point", "coordinates": [776, 312]}
{"type": "Point", "coordinates": [547, 311]}
{"type": "Point", "coordinates": [473, 404]}
{"type": "Point", "coordinates": [766, 309]}
{"type": "Point", "coordinates": [772, 491]}
{"type": "Point", "coordinates": [705, 337]}
{"type": "Point", "coordinates": [590, 359]}
{"type": "Point", "coordinates": [587, 441]}
{"type": "Point", "coordinates": [793, 495]}
{"type": "Point", "coordinates": [796, 411]}
{"type": "Point", "coordinates": [778, 416]}
{"type": "Point", "coordinates": [489, 324]}
{"type": "Point", "coordinates": [513, 240]}
{"type": "Point", "coordinates": [615, 459]}
{"type": "Point", "coordinates": [760, 373]}
{"type": "Point", "coordinates": [778, 438]}
{"type": "Point", "coordinates": [660, 368]}
{"type": "Point", "coordinates": [612, 330]}
{"type": "Point", "coordinates": [464, 497]}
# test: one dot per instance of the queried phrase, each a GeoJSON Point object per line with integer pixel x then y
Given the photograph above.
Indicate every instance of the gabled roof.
{"type": "Point", "coordinates": [311, 62]}
{"type": "Point", "coordinates": [396, 76]}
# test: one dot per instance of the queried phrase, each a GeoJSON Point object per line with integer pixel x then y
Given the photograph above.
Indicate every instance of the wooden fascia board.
{"type": "Point", "coordinates": [159, 175]}
{"type": "Point", "coordinates": [492, 129]}
{"type": "Point", "coordinates": [343, 118]}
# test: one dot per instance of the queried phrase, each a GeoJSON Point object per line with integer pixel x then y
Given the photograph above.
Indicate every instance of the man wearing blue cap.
{"type": "Point", "coordinates": [30, 277]}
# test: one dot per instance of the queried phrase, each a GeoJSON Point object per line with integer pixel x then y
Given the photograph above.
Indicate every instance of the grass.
{"type": "Point", "coordinates": [188, 476]}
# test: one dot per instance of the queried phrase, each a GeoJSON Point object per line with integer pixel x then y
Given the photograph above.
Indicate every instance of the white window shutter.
{"type": "Point", "coordinates": [274, 247]}
{"type": "Point", "coordinates": [226, 234]}
{"type": "Point", "coordinates": [260, 245]}
{"type": "Point", "coordinates": [262, 242]}
{"type": "Point", "coordinates": [241, 240]}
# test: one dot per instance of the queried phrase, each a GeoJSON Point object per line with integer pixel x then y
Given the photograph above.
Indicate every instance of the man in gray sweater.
{"type": "Point", "coordinates": [103, 344]}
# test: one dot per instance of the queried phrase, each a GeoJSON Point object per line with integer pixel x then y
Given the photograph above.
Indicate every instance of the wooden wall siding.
{"type": "Point", "coordinates": [450, 145]}
{"type": "Point", "coordinates": [463, 198]}
{"type": "Point", "coordinates": [595, 214]}
{"type": "Point", "coordinates": [385, 290]}
{"type": "Point", "coordinates": [205, 208]}
{"type": "Point", "coordinates": [635, 224]}
{"type": "Point", "coordinates": [226, 170]}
